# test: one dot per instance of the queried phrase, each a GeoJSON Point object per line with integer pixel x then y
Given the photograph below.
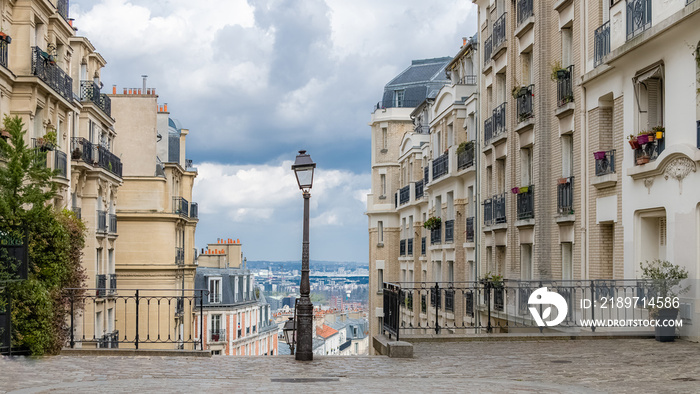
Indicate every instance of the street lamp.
{"type": "Point", "coordinates": [289, 330]}
{"type": "Point", "coordinates": [303, 168]}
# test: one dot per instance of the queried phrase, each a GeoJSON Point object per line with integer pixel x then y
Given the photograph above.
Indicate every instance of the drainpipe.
{"type": "Point", "coordinates": [585, 196]}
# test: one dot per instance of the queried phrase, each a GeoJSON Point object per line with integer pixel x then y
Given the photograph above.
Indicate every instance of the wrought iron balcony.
{"type": "Point", "coordinates": [499, 208]}
{"type": "Point", "coordinates": [101, 285]}
{"type": "Point", "coordinates": [90, 91]}
{"type": "Point", "coordinates": [465, 158]}
{"type": "Point", "coordinates": [404, 194]}
{"type": "Point", "coordinates": [409, 247]}
{"type": "Point", "coordinates": [426, 174]}
{"type": "Point", "coordinates": [48, 71]}
{"type": "Point", "coordinates": [449, 300]}
{"type": "Point", "coordinates": [526, 203]}
{"type": "Point", "coordinates": [488, 212]}
{"type": "Point", "coordinates": [101, 221]}
{"type": "Point", "coordinates": [565, 90]}
{"type": "Point", "coordinates": [181, 206]}
{"type": "Point", "coordinates": [419, 189]}
{"type": "Point", "coordinates": [435, 298]}
{"type": "Point", "coordinates": [61, 163]}
{"type": "Point", "coordinates": [422, 246]}
{"type": "Point", "coordinates": [194, 210]}
{"type": "Point", "coordinates": [499, 31]}
{"type": "Point", "coordinates": [62, 8]}
{"type": "Point", "coordinates": [109, 161]}
{"type": "Point", "coordinates": [565, 196]}
{"type": "Point", "coordinates": [488, 48]}
{"type": "Point", "coordinates": [82, 150]}
{"type": "Point", "coordinates": [468, 80]}
{"type": "Point", "coordinates": [499, 120]}
{"type": "Point", "coordinates": [449, 230]}
{"type": "Point", "coordinates": [402, 247]}
{"type": "Point", "coordinates": [217, 335]}
{"type": "Point", "coordinates": [648, 152]}
{"type": "Point", "coordinates": [112, 223]}
{"type": "Point", "coordinates": [525, 10]}
{"type": "Point", "coordinates": [470, 229]}
{"type": "Point", "coordinates": [436, 235]}
{"type": "Point", "coordinates": [106, 104]}
{"type": "Point", "coordinates": [602, 43]}
{"type": "Point", "coordinates": [524, 103]}
{"type": "Point", "coordinates": [3, 52]}
{"type": "Point", "coordinates": [180, 257]}
{"type": "Point", "coordinates": [638, 17]}
{"type": "Point", "coordinates": [440, 166]}
{"type": "Point", "coordinates": [604, 162]}
{"type": "Point", "coordinates": [488, 130]}
{"type": "Point", "coordinates": [112, 284]}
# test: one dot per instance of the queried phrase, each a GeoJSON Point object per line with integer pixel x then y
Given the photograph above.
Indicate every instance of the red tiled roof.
{"type": "Point", "coordinates": [325, 331]}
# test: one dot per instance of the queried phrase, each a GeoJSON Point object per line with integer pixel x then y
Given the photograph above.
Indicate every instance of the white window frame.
{"type": "Point", "coordinates": [214, 294]}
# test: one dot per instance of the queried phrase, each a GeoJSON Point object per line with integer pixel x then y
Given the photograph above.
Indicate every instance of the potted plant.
{"type": "Point", "coordinates": [524, 189]}
{"type": "Point", "coordinates": [600, 155]}
{"type": "Point", "coordinates": [76, 154]}
{"type": "Point", "coordinates": [492, 280]}
{"type": "Point", "coordinates": [632, 139]}
{"type": "Point", "coordinates": [642, 137]}
{"type": "Point", "coordinates": [515, 190]}
{"type": "Point", "coordinates": [563, 181]}
{"type": "Point", "coordinates": [659, 131]}
{"type": "Point", "coordinates": [432, 223]}
{"type": "Point", "coordinates": [665, 281]}
{"type": "Point", "coordinates": [47, 142]}
{"type": "Point", "coordinates": [518, 91]}
{"type": "Point", "coordinates": [464, 146]}
{"type": "Point", "coordinates": [643, 159]}
{"type": "Point", "coordinates": [558, 72]}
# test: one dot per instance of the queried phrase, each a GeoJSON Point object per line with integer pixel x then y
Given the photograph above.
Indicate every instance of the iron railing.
{"type": "Point", "coordinates": [82, 150]}
{"type": "Point", "coordinates": [194, 210]}
{"type": "Point", "coordinates": [565, 196]}
{"type": "Point", "coordinates": [409, 247]}
{"type": "Point", "coordinates": [109, 161]}
{"type": "Point", "coordinates": [404, 194]}
{"type": "Point", "coordinates": [217, 335]}
{"type": "Point", "coordinates": [449, 230]}
{"type": "Point", "coordinates": [436, 235]}
{"type": "Point", "coordinates": [604, 162]}
{"type": "Point", "coordinates": [499, 31]}
{"type": "Point", "coordinates": [61, 163]}
{"type": "Point", "coordinates": [112, 284]}
{"type": "Point", "coordinates": [499, 120]}
{"type": "Point", "coordinates": [488, 130]}
{"type": "Point", "coordinates": [565, 90]}
{"type": "Point", "coordinates": [3, 52]}
{"type": "Point", "coordinates": [500, 307]}
{"type": "Point", "coordinates": [90, 91]}
{"type": "Point", "coordinates": [179, 255]}
{"type": "Point", "coordinates": [650, 151]}
{"type": "Point", "coordinates": [526, 203]}
{"type": "Point", "coordinates": [419, 189]}
{"type": "Point", "coordinates": [488, 48]}
{"type": "Point", "coordinates": [602, 43]}
{"type": "Point", "coordinates": [101, 221]}
{"type": "Point", "coordinates": [525, 10]}
{"type": "Point", "coordinates": [468, 80]}
{"type": "Point", "coordinates": [465, 158]}
{"type": "Point", "coordinates": [62, 8]}
{"type": "Point", "coordinates": [422, 246]}
{"type": "Point", "coordinates": [638, 17]}
{"type": "Point", "coordinates": [181, 206]}
{"type": "Point", "coordinates": [470, 229]}
{"type": "Point", "coordinates": [499, 208]}
{"type": "Point", "coordinates": [101, 286]}
{"type": "Point", "coordinates": [142, 316]}
{"type": "Point", "coordinates": [426, 173]}
{"type": "Point", "coordinates": [440, 166]}
{"type": "Point", "coordinates": [402, 247]}
{"type": "Point", "coordinates": [48, 71]}
{"type": "Point", "coordinates": [488, 212]}
{"type": "Point", "coordinates": [112, 223]}
{"type": "Point", "coordinates": [524, 103]}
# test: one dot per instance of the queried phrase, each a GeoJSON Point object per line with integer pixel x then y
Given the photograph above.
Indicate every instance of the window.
{"type": "Point", "coordinates": [501, 88]}
{"type": "Point", "coordinates": [450, 271]}
{"type": "Point", "coordinates": [383, 184]}
{"type": "Point", "coordinates": [384, 138]}
{"type": "Point", "coordinates": [489, 181]}
{"type": "Point", "coordinates": [566, 44]}
{"type": "Point", "coordinates": [526, 261]}
{"type": "Point", "coordinates": [526, 167]}
{"type": "Point", "coordinates": [398, 98]}
{"type": "Point", "coordinates": [216, 352]}
{"type": "Point", "coordinates": [214, 290]}
{"type": "Point", "coordinates": [527, 68]}
{"type": "Point", "coordinates": [567, 156]}
{"type": "Point", "coordinates": [380, 280]}
{"type": "Point", "coordinates": [450, 135]}
{"type": "Point", "coordinates": [649, 91]}
{"type": "Point", "coordinates": [567, 265]}
{"type": "Point", "coordinates": [380, 231]}
{"type": "Point", "coordinates": [501, 174]}
{"type": "Point", "coordinates": [215, 324]}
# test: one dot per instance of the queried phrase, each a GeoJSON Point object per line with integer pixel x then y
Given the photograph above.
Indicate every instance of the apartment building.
{"type": "Point", "coordinates": [390, 121]}
{"type": "Point", "coordinates": [642, 62]}
{"type": "Point", "coordinates": [531, 116]}
{"type": "Point", "coordinates": [236, 319]}
{"type": "Point", "coordinates": [156, 216]}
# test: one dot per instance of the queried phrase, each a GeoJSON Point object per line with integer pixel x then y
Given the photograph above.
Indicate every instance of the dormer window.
{"type": "Point", "coordinates": [399, 98]}
{"type": "Point", "coordinates": [214, 290]}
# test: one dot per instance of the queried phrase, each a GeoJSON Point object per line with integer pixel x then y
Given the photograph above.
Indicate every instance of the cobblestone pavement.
{"type": "Point", "coordinates": [618, 365]}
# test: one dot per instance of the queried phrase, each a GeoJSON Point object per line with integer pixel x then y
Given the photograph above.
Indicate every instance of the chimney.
{"type": "Point", "coordinates": [145, 77]}
{"type": "Point", "coordinates": [464, 42]}
{"type": "Point", "coordinates": [114, 89]}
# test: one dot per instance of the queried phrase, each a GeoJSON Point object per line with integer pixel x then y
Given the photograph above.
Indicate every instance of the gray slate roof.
{"type": "Point", "coordinates": [417, 81]}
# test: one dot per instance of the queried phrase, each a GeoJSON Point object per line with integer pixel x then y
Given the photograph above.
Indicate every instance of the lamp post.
{"type": "Point", "coordinates": [304, 170]}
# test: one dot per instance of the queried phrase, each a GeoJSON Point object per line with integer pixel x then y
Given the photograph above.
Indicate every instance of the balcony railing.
{"type": "Point", "coordinates": [217, 335]}
{"type": "Point", "coordinates": [524, 103]}
{"type": "Point", "coordinates": [470, 229]}
{"type": "Point", "coordinates": [488, 212]}
{"type": "Point", "coordinates": [112, 284]}
{"type": "Point", "coordinates": [422, 246]}
{"type": "Point", "coordinates": [419, 189]}
{"type": "Point", "coordinates": [499, 208]}
{"type": "Point", "coordinates": [101, 221]}
{"type": "Point", "coordinates": [565, 91]}
{"type": "Point", "coordinates": [426, 174]}
{"type": "Point", "coordinates": [440, 166]}
{"type": "Point", "coordinates": [449, 230]}
{"type": "Point", "coordinates": [44, 67]}
{"type": "Point", "coordinates": [62, 8]}
{"type": "Point", "coordinates": [404, 194]}
{"type": "Point", "coordinates": [526, 203]}
{"type": "Point", "coordinates": [488, 48]}
{"type": "Point", "coordinates": [488, 130]}
{"type": "Point", "coordinates": [465, 158]}
{"type": "Point", "coordinates": [638, 17]}
{"type": "Point", "coordinates": [648, 152]}
{"type": "Point", "coordinates": [3, 52]}
{"type": "Point", "coordinates": [112, 223]}
{"type": "Point", "coordinates": [90, 91]}
{"type": "Point", "coordinates": [194, 210]}
{"type": "Point", "coordinates": [604, 162]}
{"type": "Point", "coordinates": [409, 247]}
{"type": "Point", "coordinates": [436, 235]}
{"type": "Point", "coordinates": [402, 247]}
{"type": "Point", "coordinates": [565, 196]}
{"type": "Point", "coordinates": [180, 256]}
{"type": "Point", "coordinates": [602, 43]}
{"type": "Point", "coordinates": [61, 163]}
{"type": "Point", "coordinates": [181, 206]}
{"type": "Point", "coordinates": [109, 161]}
{"type": "Point", "coordinates": [525, 10]}
{"type": "Point", "coordinates": [468, 80]}
{"type": "Point", "coordinates": [499, 120]}
{"type": "Point", "coordinates": [82, 150]}
{"type": "Point", "coordinates": [101, 285]}
{"type": "Point", "coordinates": [499, 31]}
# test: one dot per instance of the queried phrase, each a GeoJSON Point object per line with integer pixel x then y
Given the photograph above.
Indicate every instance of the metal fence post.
{"type": "Point", "coordinates": [201, 318]}
{"type": "Point", "coordinates": [137, 320]}
{"type": "Point", "coordinates": [398, 312]}
{"type": "Point", "coordinates": [437, 308]}
{"type": "Point", "coordinates": [489, 329]}
{"type": "Point", "coordinates": [592, 307]}
{"type": "Point", "coordinates": [72, 329]}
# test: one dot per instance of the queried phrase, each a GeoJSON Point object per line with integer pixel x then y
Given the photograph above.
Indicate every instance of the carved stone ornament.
{"type": "Point", "coordinates": [678, 169]}
{"type": "Point", "coordinates": [648, 183]}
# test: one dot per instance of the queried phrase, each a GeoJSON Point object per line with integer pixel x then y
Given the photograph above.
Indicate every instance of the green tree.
{"type": "Point", "coordinates": [55, 245]}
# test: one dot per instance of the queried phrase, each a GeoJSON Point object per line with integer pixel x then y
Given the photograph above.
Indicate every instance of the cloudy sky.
{"type": "Point", "coordinates": [255, 81]}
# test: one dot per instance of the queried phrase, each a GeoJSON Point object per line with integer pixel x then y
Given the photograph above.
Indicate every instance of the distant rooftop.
{"type": "Point", "coordinates": [416, 83]}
